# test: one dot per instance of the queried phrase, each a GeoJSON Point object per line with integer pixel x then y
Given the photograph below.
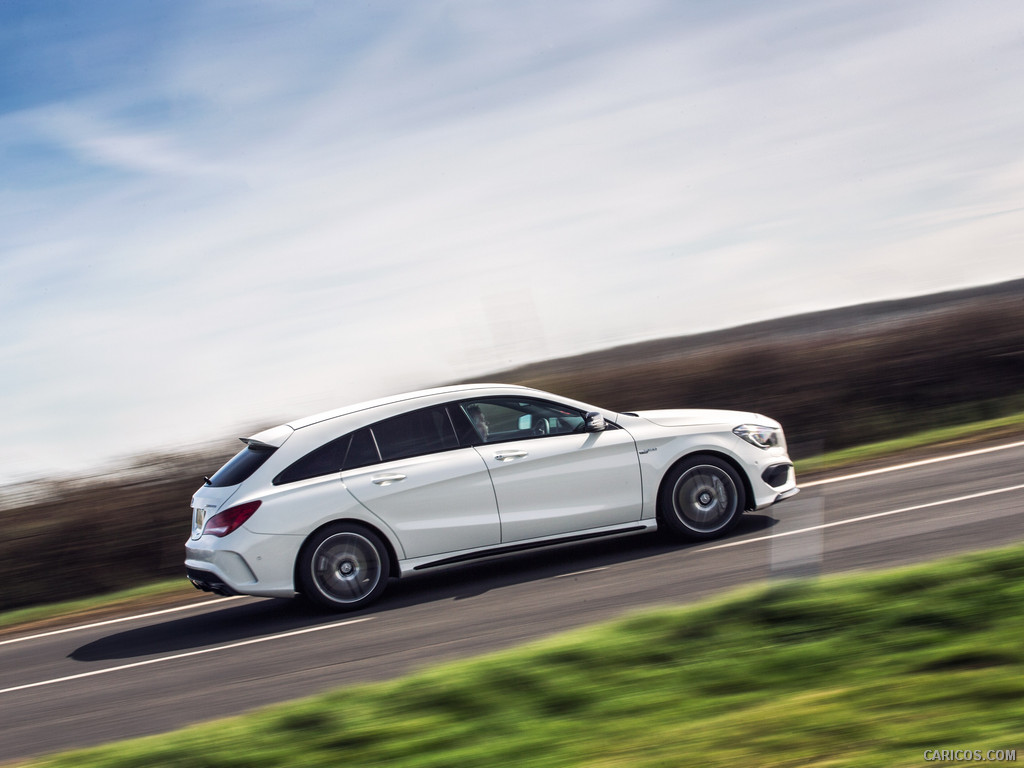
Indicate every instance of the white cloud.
{"type": "Point", "coordinates": [302, 205]}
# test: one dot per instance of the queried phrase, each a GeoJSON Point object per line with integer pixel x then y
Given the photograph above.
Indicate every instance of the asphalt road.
{"type": "Point", "coordinates": [145, 675]}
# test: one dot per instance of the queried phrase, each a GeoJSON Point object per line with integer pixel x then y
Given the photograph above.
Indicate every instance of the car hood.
{"type": "Point", "coordinates": [692, 417]}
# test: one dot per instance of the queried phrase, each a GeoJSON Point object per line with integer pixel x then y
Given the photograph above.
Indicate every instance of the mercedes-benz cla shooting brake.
{"type": "Point", "coordinates": [333, 505]}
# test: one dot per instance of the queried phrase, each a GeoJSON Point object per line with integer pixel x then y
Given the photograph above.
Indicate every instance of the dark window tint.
{"type": "Point", "coordinates": [325, 460]}
{"type": "Point", "coordinates": [241, 467]}
{"type": "Point", "coordinates": [348, 452]}
{"type": "Point", "coordinates": [464, 428]}
{"type": "Point", "coordinates": [362, 452]}
{"type": "Point", "coordinates": [413, 434]}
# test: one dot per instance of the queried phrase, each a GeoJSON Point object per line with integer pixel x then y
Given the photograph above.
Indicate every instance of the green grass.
{"type": "Point", "coordinates": [863, 670]}
{"type": "Point", "coordinates": [850, 456]}
{"type": "Point", "coordinates": [141, 596]}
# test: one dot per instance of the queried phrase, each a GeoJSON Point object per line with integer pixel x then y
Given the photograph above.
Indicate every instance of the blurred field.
{"type": "Point", "coordinates": [865, 670]}
{"type": "Point", "coordinates": [834, 379]}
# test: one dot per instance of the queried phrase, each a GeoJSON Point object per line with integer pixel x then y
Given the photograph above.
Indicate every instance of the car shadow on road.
{"type": "Point", "coordinates": [238, 622]}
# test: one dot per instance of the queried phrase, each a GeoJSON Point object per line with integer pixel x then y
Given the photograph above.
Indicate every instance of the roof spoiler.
{"type": "Point", "coordinates": [258, 444]}
{"type": "Point", "coordinates": [269, 438]}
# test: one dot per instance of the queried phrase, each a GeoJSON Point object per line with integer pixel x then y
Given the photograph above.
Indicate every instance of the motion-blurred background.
{"type": "Point", "coordinates": [219, 216]}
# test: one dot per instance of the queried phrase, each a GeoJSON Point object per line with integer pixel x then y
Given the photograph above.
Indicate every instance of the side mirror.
{"type": "Point", "coordinates": [594, 422]}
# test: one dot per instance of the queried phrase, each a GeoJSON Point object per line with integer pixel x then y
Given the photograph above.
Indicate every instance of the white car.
{"type": "Point", "coordinates": [332, 505]}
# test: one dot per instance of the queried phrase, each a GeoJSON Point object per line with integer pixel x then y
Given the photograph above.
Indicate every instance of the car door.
{"type": "Point", "coordinates": [550, 477]}
{"type": "Point", "coordinates": [435, 495]}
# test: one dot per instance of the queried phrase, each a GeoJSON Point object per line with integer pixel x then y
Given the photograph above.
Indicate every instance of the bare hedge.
{"type": "Point", "coordinates": [833, 379]}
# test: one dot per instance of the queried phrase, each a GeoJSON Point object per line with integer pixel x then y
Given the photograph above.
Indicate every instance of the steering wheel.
{"type": "Point", "coordinates": [542, 428]}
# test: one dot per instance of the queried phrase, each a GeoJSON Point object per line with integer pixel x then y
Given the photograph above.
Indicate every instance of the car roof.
{"type": "Point", "coordinates": [276, 436]}
{"type": "Point", "coordinates": [345, 410]}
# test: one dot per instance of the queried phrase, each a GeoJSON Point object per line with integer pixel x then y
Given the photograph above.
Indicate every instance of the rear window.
{"type": "Point", "coordinates": [241, 467]}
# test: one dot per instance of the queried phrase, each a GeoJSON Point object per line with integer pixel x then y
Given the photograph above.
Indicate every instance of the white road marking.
{"type": "Point", "coordinates": [186, 655]}
{"type": "Point", "coordinates": [580, 573]}
{"type": "Point", "coordinates": [811, 484]}
{"type": "Point", "coordinates": [862, 518]}
{"type": "Point", "coordinates": [912, 464]}
{"type": "Point", "coordinates": [118, 621]}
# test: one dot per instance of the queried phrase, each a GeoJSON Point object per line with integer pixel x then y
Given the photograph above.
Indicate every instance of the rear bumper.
{"type": "Point", "coordinates": [208, 582]}
{"type": "Point", "coordinates": [243, 563]}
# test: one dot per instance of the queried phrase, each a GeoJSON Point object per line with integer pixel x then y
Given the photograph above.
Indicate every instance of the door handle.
{"type": "Point", "coordinates": [510, 455]}
{"type": "Point", "coordinates": [387, 479]}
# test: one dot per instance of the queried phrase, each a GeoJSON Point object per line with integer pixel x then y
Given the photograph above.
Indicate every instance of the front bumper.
{"type": "Point", "coordinates": [775, 482]}
{"type": "Point", "coordinates": [779, 475]}
{"type": "Point", "coordinates": [782, 478]}
{"type": "Point", "coordinates": [787, 495]}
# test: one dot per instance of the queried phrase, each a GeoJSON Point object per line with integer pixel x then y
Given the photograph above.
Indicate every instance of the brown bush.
{"type": "Point", "coordinates": [830, 389]}
{"type": "Point", "coordinates": [66, 539]}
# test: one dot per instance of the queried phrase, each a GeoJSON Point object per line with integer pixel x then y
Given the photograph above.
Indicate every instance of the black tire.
{"type": "Point", "coordinates": [701, 498]}
{"type": "Point", "coordinates": [343, 567]}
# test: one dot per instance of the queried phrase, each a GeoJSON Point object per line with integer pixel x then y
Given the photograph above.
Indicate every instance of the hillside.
{"type": "Point", "coordinates": [858, 319]}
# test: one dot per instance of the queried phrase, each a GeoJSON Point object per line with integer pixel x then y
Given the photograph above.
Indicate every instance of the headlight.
{"type": "Point", "coordinates": [762, 437]}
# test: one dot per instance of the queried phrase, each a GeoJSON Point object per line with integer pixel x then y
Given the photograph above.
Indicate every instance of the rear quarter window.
{"type": "Point", "coordinates": [346, 452]}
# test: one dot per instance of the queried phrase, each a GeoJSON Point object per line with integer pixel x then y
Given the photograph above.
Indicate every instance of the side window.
{"type": "Point", "coordinates": [497, 419]}
{"type": "Point", "coordinates": [348, 452]}
{"type": "Point", "coordinates": [464, 428]}
{"type": "Point", "coordinates": [413, 434]}
{"type": "Point", "coordinates": [325, 460]}
{"type": "Point", "coordinates": [362, 451]}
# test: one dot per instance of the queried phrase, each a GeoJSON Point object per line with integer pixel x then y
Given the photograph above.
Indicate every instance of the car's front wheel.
{"type": "Point", "coordinates": [343, 567]}
{"type": "Point", "coordinates": [701, 498]}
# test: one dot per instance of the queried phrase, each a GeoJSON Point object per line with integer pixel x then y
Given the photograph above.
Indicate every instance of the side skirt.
{"type": "Point", "coordinates": [510, 548]}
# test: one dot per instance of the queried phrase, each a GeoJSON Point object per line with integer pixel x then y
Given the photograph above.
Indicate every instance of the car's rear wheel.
{"type": "Point", "coordinates": [701, 498]}
{"type": "Point", "coordinates": [343, 567]}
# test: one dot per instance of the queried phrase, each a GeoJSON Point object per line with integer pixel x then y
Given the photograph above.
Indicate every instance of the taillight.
{"type": "Point", "coordinates": [225, 522]}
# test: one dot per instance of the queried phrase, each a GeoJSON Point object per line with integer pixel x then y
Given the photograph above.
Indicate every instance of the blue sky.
{"type": "Point", "coordinates": [222, 214]}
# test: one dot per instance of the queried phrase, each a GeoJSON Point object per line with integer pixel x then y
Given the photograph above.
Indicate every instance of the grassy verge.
{"type": "Point", "coordinates": [991, 428]}
{"type": "Point", "coordinates": [865, 670]}
{"type": "Point", "coordinates": [145, 596]}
